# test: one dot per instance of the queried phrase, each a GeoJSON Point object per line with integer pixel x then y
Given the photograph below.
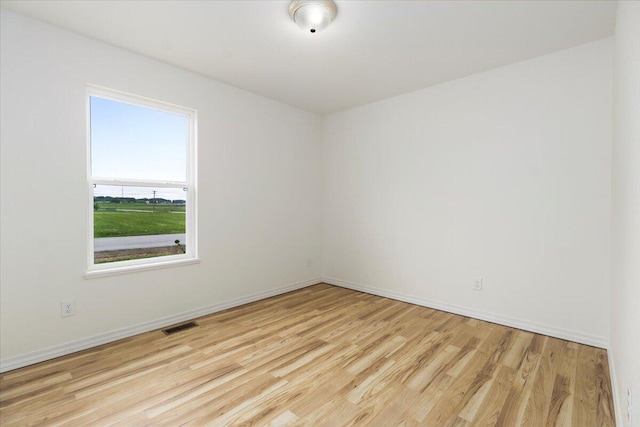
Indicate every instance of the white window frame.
{"type": "Point", "coordinates": [191, 248]}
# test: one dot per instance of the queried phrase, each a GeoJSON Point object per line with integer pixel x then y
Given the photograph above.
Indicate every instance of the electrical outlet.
{"type": "Point", "coordinates": [67, 308]}
{"type": "Point", "coordinates": [477, 284]}
{"type": "Point", "coordinates": [308, 262]}
{"type": "Point", "coordinates": [629, 406]}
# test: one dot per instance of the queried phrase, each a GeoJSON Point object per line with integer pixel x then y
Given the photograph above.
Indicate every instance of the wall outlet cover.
{"type": "Point", "coordinates": [67, 308]}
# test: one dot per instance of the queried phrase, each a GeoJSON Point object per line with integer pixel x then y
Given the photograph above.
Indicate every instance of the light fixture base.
{"type": "Point", "coordinates": [313, 15]}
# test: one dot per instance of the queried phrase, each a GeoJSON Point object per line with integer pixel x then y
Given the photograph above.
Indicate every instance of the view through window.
{"type": "Point", "coordinates": [141, 176]}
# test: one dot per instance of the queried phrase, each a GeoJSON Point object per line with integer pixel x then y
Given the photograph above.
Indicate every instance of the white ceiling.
{"type": "Point", "coordinates": [373, 50]}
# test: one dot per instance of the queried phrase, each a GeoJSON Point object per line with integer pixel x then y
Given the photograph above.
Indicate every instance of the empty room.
{"type": "Point", "coordinates": [320, 213]}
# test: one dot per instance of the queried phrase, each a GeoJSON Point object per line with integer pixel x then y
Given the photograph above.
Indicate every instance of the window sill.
{"type": "Point", "coordinates": [111, 271]}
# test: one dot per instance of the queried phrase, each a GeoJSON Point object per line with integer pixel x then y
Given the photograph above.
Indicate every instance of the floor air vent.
{"type": "Point", "coordinates": [178, 328]}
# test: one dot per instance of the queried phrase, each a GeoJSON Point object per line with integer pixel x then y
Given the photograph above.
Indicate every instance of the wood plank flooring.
{"type": "Point", "coordinates": [320, 356]}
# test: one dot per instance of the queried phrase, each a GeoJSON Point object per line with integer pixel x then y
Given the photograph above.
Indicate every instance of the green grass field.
{"type": "Point", "coordinates": [118, 220]}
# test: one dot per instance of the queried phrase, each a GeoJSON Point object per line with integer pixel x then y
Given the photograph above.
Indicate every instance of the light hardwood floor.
{"type": "Point", "coordinates": [322, 355]}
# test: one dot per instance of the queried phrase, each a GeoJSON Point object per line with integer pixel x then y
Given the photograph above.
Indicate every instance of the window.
{"type": "Point", "coordinates": [141, 177]}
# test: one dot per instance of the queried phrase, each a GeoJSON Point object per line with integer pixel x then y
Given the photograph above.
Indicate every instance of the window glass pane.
{"type": "Point", "coordinates": [138, 222]}
{"type": "Point", "coordinates": [132, 142]}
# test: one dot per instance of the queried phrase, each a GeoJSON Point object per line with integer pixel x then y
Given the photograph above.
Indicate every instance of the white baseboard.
{"type": "Point", "coordinates": [617, 401]}
{"type": "Point", "coordinates": [15, 362]}
{"type": "Point", "coordinates": [19, 361]}
{"type": "Point", "coordinates": [566, 334]}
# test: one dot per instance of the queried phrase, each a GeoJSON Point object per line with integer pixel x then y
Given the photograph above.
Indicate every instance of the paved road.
{"type": "Point", "coordinates": [133, 242]}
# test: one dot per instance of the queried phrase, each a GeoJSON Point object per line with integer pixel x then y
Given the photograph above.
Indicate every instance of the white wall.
{"type": "Point", "coordinates": [625, 302]}
{"type": "Point", "coordinates": [259, 192]}
{"type": "Point", "coordinates": [503, 175]}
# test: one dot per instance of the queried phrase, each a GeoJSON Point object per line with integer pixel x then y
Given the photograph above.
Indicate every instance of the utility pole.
{"type": "Point", "coordinates": [154, 201]}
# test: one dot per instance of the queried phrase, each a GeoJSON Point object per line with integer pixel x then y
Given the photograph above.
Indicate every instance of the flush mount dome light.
{"type": "Point", "coordinates": [312, 16]}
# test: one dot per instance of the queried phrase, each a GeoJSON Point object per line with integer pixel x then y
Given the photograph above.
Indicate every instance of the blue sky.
{"type": "Point", "coordinates": [131, 142]}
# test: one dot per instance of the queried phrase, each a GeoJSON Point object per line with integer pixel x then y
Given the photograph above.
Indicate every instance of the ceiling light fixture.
{"type": "Point", "coordinates": [312, 16]}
